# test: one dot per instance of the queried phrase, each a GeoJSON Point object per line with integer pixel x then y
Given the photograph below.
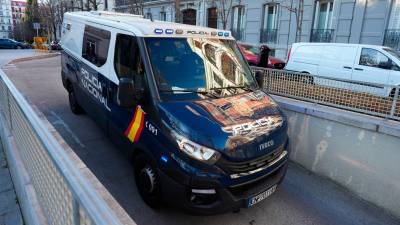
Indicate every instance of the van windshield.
{"type": "Point", "coordinates": [198, 67]}
{"type": "Point", "coordinates": [393, 52]}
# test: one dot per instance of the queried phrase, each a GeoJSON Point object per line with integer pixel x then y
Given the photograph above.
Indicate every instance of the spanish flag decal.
{"type": "Point", "coordinates": [135, 127]}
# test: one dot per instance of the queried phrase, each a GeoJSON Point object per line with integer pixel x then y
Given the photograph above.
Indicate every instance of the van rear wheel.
{"type": "Point", "coordinates": [393, 92]}
{"type": "Point", "coordinates": [306, 79]}
{"type": "Point", "coordinates": [73, 103]}
{"type": "Point", "coordinates": [147, 181]}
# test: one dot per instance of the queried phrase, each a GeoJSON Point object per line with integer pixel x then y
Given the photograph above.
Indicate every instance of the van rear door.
{"type": "Point", "coordinates": [371, 66]}
{"type": "Point", "coordinates": [304, 58]}
{"type": "Point", "coordinates": [337, 61]}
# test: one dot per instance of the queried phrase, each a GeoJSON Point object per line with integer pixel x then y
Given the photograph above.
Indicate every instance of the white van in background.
{"type": "Point", "coordinates": [356, 62]}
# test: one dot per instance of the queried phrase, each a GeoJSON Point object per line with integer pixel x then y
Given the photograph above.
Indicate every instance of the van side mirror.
{"type": "Point", "coordinates": [385, 65]}
{"type": "Point", "coordinates": [126, 96]}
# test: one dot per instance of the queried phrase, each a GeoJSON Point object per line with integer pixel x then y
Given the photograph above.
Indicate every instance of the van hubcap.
{"type": "Point", "coordinates": [148, 179]}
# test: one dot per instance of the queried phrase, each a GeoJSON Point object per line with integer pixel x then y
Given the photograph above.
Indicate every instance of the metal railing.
{"type": "Point", "coordinates": [268, 35]}
{"type": "Point", "coordinates": [238, 34]}
{"type": "Point", "coordinates": [368, 98]}
{"type": "Point", "coordinates": [64, 193]}
{"type": "Point", "coordinates": [392, 38]}
{"type": "Point", "coordinates": [321, 35]}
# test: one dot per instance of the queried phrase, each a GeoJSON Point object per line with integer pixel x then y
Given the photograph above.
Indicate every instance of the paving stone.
{"type": "Point", "coordinates": [3, 161]}
{"type": "Point", "coordinates": [13, 218]}
{"type": "Point", "coordinates": [5, 180]}
{"type": "Point", "coordinates": [8, 202]}
{"type": "Point", "coordinates": [2, 222]}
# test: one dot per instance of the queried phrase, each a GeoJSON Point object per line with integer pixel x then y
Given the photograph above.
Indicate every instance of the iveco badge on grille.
{"type": "Point", "coordinates": [266, 145]}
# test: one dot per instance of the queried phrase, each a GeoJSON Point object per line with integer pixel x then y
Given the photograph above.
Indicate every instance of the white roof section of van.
{"type": "Point", "coordinates": [145, 27]}
{"type": "Point", "coordinates": [339, 44]}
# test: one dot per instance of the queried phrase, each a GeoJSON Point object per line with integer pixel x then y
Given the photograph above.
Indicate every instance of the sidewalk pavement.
{"type": "Point", "coordinates": [10, 213]}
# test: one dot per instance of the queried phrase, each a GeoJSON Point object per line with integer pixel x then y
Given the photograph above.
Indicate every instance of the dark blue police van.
{"type": "Point", "coordinates": [182, 102]}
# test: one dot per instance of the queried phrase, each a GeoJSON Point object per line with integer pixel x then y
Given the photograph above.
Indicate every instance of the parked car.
{"type": "Point", "coordinates": [6, 43]}
{"type": "Point", "coordinates": [355, 62]}
{"type": "Point", "coordinates": [201, 134]}
{"type": "Point", "coordinates": [55, 45]}
{"type": "Point", "coordinates": [251, 54]}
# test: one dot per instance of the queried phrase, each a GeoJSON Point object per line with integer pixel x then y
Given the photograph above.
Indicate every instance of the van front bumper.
{"type": "Point", "coordinates": [197, 195]}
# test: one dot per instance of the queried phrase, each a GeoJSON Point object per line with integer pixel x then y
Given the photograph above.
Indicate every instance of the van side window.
{"type": "Point", "coordinates": [95, 45]}
{"type": "Point", "coordinates": [373, 58]}
{"type": "Point", "coordinates": [127, 61]}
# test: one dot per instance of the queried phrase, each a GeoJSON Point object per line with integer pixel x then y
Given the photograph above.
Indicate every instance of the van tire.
{"type": "Point", "coordinates": [391, 95]}
{"type": "Point", "coordinates": [147, 180]}
{"type": "Point", "coordinates": [306, 79]}
{"type": "Point", "coordinates": [73, 103]}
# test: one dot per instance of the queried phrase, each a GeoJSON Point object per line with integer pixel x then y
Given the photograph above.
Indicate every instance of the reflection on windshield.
{"type": "Point", "coordinates": [251, 49]}
{"type": "Point", "coordinates": [199, 64]}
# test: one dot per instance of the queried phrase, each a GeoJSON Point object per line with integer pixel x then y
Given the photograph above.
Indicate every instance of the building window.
{"type": "Point", "coordinates": [189, 16]}
{"type": "Point", "coordinates": [394, 21]}
{"type": "Point", "coordinates": [148, 15]}
{"type": "Point", "coordinates": [163, 16]}
{"type": "Point", "coordinates": [322, 31]}
{"type": "Point", "coordinates": [270, 23]}
{"type": "Point", "coordinates": [212, 17]}
{"type": "Point", "coordinates": [392, 34]}
{"type": "Point", "coordinates": [238, 22]}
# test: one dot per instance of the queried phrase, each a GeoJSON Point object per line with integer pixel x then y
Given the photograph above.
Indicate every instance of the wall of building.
{"type": "Point", "coordinates": [5, 18]}
{"type": "Point", "coordinates": [18, 11]}
{"type": "Point", "coordinates": [353, 21]}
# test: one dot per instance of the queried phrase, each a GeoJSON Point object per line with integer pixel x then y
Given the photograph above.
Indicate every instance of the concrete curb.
{"type": "Point", "coordinates": [36, 57]}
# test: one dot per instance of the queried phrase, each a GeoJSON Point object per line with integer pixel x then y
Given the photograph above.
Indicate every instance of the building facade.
{"type": "Point", "coordinates": [17, 11]}
{"type": "Point", "coordinates": [279, 23]}
{"type": "Point", "coordinates": [5, 18]}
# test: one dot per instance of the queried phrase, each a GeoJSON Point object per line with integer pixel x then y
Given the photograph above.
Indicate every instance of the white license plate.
{"type": "Point", "coordinates": [263, 195]}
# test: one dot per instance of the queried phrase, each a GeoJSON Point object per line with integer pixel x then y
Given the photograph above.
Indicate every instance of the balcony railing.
{"type": "Point", "coordinates": [321, 35]}
{"type": "Point", "coordinates": [238, 34]}
{"type": "Point", "coordinates": [392, 38]}
{"type": "Point", "coordinates": [268, 35]}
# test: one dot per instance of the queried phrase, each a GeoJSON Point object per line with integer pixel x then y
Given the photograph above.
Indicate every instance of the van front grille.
{"type": "Point", "coordinates": [247, 166]}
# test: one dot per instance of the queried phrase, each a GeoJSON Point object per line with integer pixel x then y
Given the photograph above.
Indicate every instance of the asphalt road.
{"type": "Point", "coordinates": [6, 55]}
{"type": "Point", "coordinates": [303, 198]}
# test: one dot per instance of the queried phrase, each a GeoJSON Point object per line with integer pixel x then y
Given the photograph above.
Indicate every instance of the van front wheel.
{"type": "Point", "coordinates": [147, 181]}
{"type": "Point", "coordinates": [73, 103]}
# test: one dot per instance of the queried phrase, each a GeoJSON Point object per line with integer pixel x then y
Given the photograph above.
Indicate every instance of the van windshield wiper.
{"type": "Point", "coordinates": [246, 88]}
{"type": "Point", "coordinates": [205, 93]}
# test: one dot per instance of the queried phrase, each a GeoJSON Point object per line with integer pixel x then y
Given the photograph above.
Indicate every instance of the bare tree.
{"type": "Point", "coordinates": [224, 12]}
{"type": "Point", "coordinates": [93, 4]}
{"type": "Point", "coordinates": [178, 14]}
{"type": "Point", "coordinates": [47, 10]}
{"type": "Point", "coordinates": [298, 12]}
{"type": "Point", "coordinates": [135, 7]}
{"type": "Point", "coordinates": [23, 31]}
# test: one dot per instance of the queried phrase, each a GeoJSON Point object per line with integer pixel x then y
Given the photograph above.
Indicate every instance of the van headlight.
{"type": "Point", "coordinates": [195, 150]}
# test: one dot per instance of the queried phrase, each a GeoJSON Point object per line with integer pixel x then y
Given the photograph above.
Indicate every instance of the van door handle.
{"type": "Point", "coordinates": [347, 67]}
{"type": "Point", "coordinates": [359, 69]}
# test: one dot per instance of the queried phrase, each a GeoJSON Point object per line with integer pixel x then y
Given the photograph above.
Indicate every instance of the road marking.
{"type": "Point", "coordinates": [9, 66]}
{"type": "Point", "coordinates": [61, 122]}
